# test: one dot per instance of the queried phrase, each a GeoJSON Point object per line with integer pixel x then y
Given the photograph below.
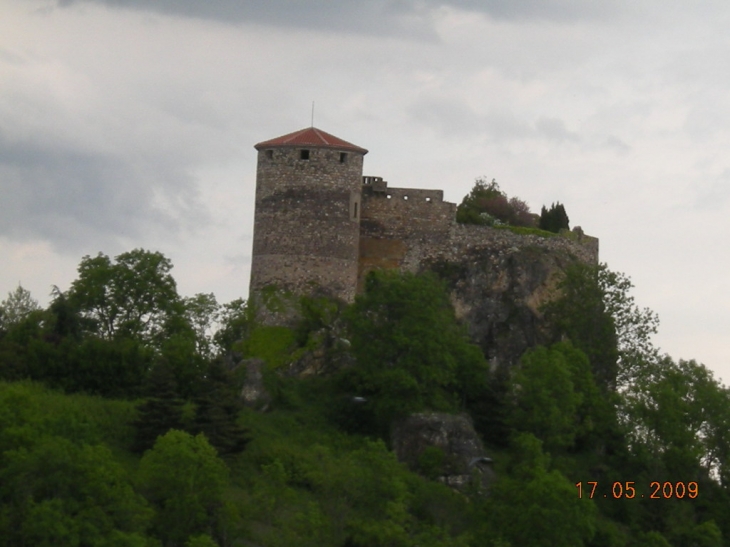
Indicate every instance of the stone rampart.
{"type": "Point", "coordinates": [396, 221]}
{"type": "Point", "coordinates": [405, 228]}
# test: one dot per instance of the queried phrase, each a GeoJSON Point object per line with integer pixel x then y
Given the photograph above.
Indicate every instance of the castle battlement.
{"type": "Point", "coordinates": [377, 186]}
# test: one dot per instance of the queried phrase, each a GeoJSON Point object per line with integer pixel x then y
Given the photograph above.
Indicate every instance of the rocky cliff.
{"type": "Point", "coordinates": [444, 447]}
{"type": "Point", "coordinates": [498, 284]}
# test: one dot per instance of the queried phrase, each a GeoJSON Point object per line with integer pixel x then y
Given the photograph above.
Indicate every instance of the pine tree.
{"type": "Point", "coordinates": [161, 411]}
{"type": "Point", "coordinates": [218, 407]}
{"type": "Point", "coordinates": [554, 219]}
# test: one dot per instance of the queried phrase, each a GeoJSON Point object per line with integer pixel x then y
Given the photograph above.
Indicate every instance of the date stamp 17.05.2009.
{"type": "Point", "coordinates": [627, 490]}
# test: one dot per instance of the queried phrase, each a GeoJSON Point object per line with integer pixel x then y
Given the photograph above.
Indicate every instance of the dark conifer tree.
{"type": "Point", "coordinates": [554, 219]}
{"type": "Point", "coordinates": [161, 411]}
{"type": "Point", "coordinates": [490, 410]}
{"type": "Point", "coordinates": [68, 322]}
{"type": "Point", "coordinates": [218, 407]}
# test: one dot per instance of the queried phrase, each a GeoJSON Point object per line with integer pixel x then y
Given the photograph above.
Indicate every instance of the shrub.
{"type": "Point", "coordinates": [487, 204]}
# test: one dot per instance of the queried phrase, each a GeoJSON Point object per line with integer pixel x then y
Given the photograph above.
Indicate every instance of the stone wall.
{"type": "Point", "coordinates": [405, 228]}
{"type": "Point", "coordinates": [397, 222]}
{"type": "Point", "coordinates": [306, 227]}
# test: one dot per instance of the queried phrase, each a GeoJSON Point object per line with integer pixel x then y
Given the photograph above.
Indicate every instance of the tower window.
{"type": "Point", "coordinates": [304, 154]}
{"type": "Point", "coordinates": [343, 157]}
{"type": "Point", "coordinates": [270, 154]}
{"type": "Point", "coordinates": [354, 211]}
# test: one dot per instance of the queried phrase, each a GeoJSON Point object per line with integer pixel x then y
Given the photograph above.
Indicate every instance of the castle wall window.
{"type": "Point", "coordinates": [304, 154]}
{"type": "Point", "coordinates": [354, 212]}
{"type": "Point", "coordinates": [270, 154]}
{"type": "Point", "coordinates": [343, 157]}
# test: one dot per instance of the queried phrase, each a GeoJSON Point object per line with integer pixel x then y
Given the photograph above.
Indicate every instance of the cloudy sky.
{"type": "Point", "coordinates": [131, 123]}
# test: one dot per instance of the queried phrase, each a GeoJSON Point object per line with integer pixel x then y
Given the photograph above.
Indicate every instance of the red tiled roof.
{"type": "Point", "coordinates": [311, 136]}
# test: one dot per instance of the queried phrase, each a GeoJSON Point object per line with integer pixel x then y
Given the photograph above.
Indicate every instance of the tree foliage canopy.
{"type": "Point", "coordinates": [536, 507]}
{"type": "Point", "coordinates": [603, 406]}
{"type": "Point", "coordinates": [185, 480]}
{"type": "Point", "coordinates": [17, 306]}
{"type": "Point", "coordinates": [487, 204]}
{"type": "Point", "coordinates": [411, 353]}
{"type": "Point", "coordinates": [596, 311]}
{"type": "Point", "coordinates": [132, 296]}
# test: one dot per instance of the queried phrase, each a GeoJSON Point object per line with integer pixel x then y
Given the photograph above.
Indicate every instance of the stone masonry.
{"type": "Point", "coordinates": [306, 225]}
{"type": "Point", "coordinates": [320, 226]}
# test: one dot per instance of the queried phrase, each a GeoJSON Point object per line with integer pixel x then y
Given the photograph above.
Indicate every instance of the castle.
{"type": "Point", "coordinates": [320, 226]}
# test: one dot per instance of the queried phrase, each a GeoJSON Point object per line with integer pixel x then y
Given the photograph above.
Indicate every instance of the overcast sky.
{"type": "Point", "coordinates": [131, 123]}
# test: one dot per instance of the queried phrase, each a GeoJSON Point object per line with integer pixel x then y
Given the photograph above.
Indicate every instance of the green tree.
{"type": "Point", "coordinates": [554, 219]}
{"type": "Point", "coordinates": [596, 312]}
{"type": "Point", "coordinates": [411, 353]}
{"type": "Point", "coordinates": [680, 414]}
{"type": "Point", "coordinates": [17, 346]}
{"type": "Point", "coordinates": [17, 306]}
{"type": "Point", "coordinates": [133, 296]}
{"type": "Point", "coordinates": [184, 480]}
{"type": "Point", "coordinates": [161, 412]}
{"type": "Point", "coordinates": [48, 346]}
{"type": "Point", "coordinates": [55, 492]}
{"type": "Point", "coordinates": [491, 409]}
{"type": "Point", "coordinates": [652, 539]}
{"type": "Point", "coordinates": [179, 354]}
{"type": "Point", "coordinates": [487, 204]}
{"type": "Point", "coordinates": [202, 311]}
{"type": "Point", "coordinates": [67, 321]}
{"type": "Point", "coordinates": [580, 314]}
{"type": "Point", "coordinates": [203, 540]}
{"type": "Point", "coordinates": [236, 320]}
{"type": "Point", "coordinates": [634, 326]}
{"type": "Point", "coordinates": [545, 397]}
{"type": "Point", "coordinates": [218, 408]}
{"type": "Point", "coordinates": [112, 368]}
{"type": "Point", "coordinates": [535, 507]}
{"type": "Point", "coordinates": [476, 206]}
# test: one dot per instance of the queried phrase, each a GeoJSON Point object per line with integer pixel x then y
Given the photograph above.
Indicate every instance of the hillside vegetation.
{"type": "Point", "coordinates": [121, 422]}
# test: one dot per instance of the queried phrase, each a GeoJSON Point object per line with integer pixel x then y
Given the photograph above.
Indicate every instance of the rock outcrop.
{"type": "Point", "coordinates": [445, 447]}
{"type": "Point", "coordinates": [253, 393]}
{"type": "Point", "coordinates": [498, 290]}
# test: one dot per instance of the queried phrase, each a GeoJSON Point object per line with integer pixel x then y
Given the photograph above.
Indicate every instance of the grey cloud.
{"type": "Point", "coordinates": [455, 119]}
{"type": "Point", "coordinates": [504, 126]}
{"type": "Point", "coordinates": [72, 197]}
{"type": "Point", "coordinates": [555, 130]}
{"type": "Point", "coordinates": [713, 193]}
{"type": "Point", "coordinates": [378, 17]}
{"type": "Point", "coordinates": [617, 145]}
{"type": "Point", "coordinates": [447, 117]}
{"type": "Point", "coordinates": [550, 10]}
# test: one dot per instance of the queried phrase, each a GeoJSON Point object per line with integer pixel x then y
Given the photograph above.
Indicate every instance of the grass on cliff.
{"type": "Point", "coordinates": [524, 230]}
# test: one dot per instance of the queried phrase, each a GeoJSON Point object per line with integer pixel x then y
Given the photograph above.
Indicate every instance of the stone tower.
{"type": "Point", "coordinates": [307, 220]}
